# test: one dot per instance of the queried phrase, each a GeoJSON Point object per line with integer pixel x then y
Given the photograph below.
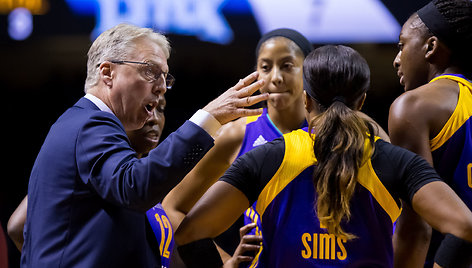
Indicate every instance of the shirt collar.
{"type": "Point", "coordinates": [100, 104]}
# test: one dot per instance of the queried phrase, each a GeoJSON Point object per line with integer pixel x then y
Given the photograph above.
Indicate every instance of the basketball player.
{"type": "Point", "coordinates": [432, 118]}
{"type": "Point", "coordinates": [327, 199]}
{"type": "Point", "coordinates": [280, 54]}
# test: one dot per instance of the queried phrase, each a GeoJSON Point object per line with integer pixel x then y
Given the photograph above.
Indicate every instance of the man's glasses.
{"type": "Point", "coordinates": [151, 72]}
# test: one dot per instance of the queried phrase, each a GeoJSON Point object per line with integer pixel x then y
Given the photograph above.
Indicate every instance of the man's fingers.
{"type": "Point", "coordinates": [243, 112]}
{"type": "Point", "coordinates": [230, 105]}
{"type": "Point", "coordinates": [250, 89]}
{"type": "Point", "coordinates": [256, 99]}
{"type": "Point", "coordinates": [251, 100]}
{"type": "Point", "coordinates": [246, 80]}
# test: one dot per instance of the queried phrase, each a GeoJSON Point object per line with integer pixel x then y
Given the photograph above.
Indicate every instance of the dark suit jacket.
{"type": "Point", "coordinates": [88, 192]}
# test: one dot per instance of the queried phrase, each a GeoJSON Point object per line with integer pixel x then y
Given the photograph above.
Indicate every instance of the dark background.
{"type": "Point", "coordinates": [43, 75]}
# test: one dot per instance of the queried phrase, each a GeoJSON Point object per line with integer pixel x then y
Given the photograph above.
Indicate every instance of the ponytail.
{"type": "Point", "coordinates": [338, 144]}
{"type": "Point", "coordinates": [337, 78]}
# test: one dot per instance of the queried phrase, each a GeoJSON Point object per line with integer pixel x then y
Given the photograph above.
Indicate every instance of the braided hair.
{"type": "Point", "coordinates": [451, 22]}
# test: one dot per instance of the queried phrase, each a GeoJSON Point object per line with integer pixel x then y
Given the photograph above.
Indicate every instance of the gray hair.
{"type": "Point", "coordinates": [117, 43]}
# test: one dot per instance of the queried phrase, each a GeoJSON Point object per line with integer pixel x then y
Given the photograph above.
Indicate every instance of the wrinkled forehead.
{"type": "Point", "coordinates": [149, 51]}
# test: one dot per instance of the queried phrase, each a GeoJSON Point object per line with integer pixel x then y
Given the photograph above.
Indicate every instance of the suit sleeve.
{"type": "Point", "coordinates": [108, 164]}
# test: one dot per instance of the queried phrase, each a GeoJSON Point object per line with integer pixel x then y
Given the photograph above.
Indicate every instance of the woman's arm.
{"type": "Point", "coordinates": [211, 167]}
{"type": "Point", "coordinates": [220, 207]}
{"type": "Point", "coordinates": [224, 202]}
{"type": "Point", "coordinates": [412, 236]}
{"type": "Point", "coordinates": [408, 128]}
{"type": "Point", "coordinates": [440, 206]}
{"type": "Point", "coordinates": [248, 247]}
{"type": "Point", "coordinates": [212, 214]}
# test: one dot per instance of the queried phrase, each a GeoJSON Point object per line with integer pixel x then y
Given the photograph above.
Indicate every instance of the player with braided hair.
{"type": "Point", "coordinates": [433, 117]}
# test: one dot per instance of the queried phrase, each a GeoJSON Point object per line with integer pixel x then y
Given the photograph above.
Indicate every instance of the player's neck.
{"type": "Point", "coordinates": [289, 119]}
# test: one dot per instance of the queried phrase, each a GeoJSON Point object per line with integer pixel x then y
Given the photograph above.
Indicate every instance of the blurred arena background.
{"type": "Point", "coordinates": [43, 46]}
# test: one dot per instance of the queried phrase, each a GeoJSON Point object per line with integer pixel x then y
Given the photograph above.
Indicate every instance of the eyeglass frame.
{"type": "Point", "coordinates": [168, 78]}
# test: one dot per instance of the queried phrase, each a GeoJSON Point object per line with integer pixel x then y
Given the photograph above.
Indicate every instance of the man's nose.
{"type": "Point", "coordinates": [160, 87]}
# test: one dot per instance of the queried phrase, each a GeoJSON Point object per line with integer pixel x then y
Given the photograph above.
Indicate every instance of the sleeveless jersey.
{"type": "Point", "coordinates": [160, 225]}
{"type": "Point", "coordinates": [452, 147]}
{"type": "Point", "coordinates": [259, 130]}
{"type": "Point", "coordinates": [451, 150]}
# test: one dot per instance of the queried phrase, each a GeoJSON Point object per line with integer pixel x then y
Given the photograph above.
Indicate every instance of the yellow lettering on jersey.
{"type": "Point", "coordinates": [323, 246]}
{"type": "Point", "coordinates": [164, 224]}
{"type": "Point", "coordinates": [343, 254]}
{"type": "Point", "coordinates": [161, 225]}
{"type": "Point", "coordinates": [325, 241]}
{"type": "Point", "coordinates": [469, 174]}
{"type": "Point", "coordinates": [315, 246]}
{"type": "Point", "coordinates": [167, 225]}
{"type": "Point", "coordinates": [305, 239]}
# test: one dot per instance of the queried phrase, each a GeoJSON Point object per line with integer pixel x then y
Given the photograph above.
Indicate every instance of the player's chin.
{"type": "Point", "coordinates": [278, 101]}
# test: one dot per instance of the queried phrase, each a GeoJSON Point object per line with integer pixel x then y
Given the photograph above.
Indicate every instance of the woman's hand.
{"type": "Point", "coordinates": [247, 249]}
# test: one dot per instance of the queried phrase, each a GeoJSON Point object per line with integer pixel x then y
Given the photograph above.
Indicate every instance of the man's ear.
{"type": "Point", "coordinates": [106, 73]}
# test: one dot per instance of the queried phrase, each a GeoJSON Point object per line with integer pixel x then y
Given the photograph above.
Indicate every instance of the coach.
{"type": "Point", "coordinates": [88, 190]}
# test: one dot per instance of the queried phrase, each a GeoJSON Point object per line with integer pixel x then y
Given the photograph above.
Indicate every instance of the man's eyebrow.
{"type": "Point", "coordinates": [157, 64]}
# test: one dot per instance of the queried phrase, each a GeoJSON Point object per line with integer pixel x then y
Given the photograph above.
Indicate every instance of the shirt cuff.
{"type": "Point", "coordinates": [206, 121]}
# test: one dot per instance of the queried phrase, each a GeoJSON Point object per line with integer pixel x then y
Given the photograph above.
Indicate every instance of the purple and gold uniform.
{"type": "Point", "coordinates": [452, 151]}
{"type": "Point", "coordinates": [160, 225]}
{"type": "Point", "coordinates": [279, 176]}
{"type": "Point", "coordinates": [452, 147]}
{"type": "Point", "coordinates": [259, 130]}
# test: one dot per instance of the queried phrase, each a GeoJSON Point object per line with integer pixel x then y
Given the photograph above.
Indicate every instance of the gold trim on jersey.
{"type": "Point", "coordinates": [299, 156]}
{"type": "Point", "coordinates": [461, 114]}
{"type": "Point", "coordinates": [368, 178]}
{"type": "Point", "coordinates": [255, 261]}
{"type": "Point", "coordinates": [251, 119]}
